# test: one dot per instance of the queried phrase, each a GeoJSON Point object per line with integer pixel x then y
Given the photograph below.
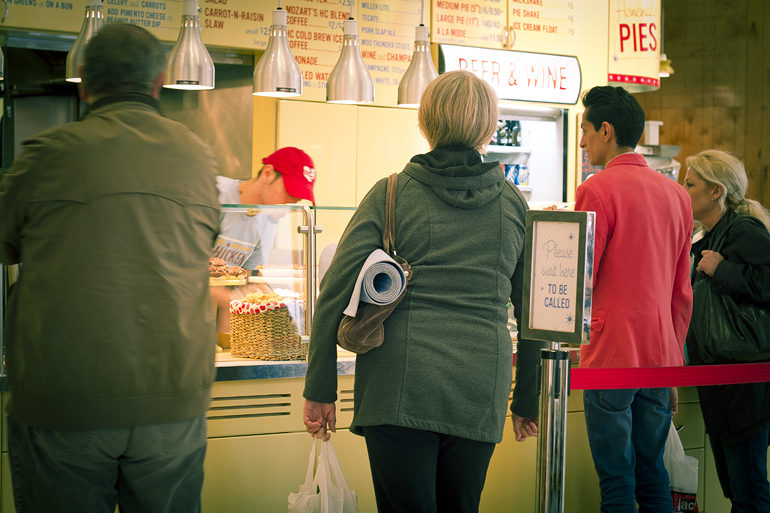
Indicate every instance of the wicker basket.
{"type": "Point", "coordinates": [268, 335]}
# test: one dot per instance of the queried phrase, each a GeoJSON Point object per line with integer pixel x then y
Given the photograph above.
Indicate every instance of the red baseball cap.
{"type": "Point", "coordinates": [297, 170]}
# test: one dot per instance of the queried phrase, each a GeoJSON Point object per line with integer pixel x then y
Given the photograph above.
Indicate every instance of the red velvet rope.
{"type": "Point", "coordinates": [661, 377]}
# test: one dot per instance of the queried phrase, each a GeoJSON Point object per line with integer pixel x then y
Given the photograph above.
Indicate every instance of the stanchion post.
{"type": "Point", "coordinates": [552, 432]}
{"type": "Point", "coordinates": [556, 307]}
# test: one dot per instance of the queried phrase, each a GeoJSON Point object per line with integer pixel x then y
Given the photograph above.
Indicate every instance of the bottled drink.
{"type": "Point", "coordinates": [500, 133]}
{"type": "Point", "coordinates": [512, 173]}
{"type": "Point", "coordinates": [523, 175]}
{"type": "Point", "coordinates": [515, 133]}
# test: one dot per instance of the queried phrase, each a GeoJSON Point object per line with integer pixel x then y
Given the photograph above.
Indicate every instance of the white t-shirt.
{"type": "Point", "coordinates": [243, 240]}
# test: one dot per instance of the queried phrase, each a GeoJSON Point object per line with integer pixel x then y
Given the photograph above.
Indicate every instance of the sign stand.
{"type": "Point", "coordinates": [556, 308]}
{"type": "Point", "coordinates": [554, 391]}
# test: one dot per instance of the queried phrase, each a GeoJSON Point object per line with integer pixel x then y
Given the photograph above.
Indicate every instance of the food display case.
{"type": "Point", "coordinates": [264, 317]}
{"type": "Point", "coordinates": [261, 282]}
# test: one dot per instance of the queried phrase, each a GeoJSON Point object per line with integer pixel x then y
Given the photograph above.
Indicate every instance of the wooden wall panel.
{"type": "Point", "coordinates": [762, 179]}
{"type": "Point", "coordinates": [754, 96]}
{"type": "Point", "coordinates": [719, 95]}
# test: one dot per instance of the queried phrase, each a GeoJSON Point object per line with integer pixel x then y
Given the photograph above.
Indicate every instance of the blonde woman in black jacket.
{"type": "Point", "coordinates": [737, 417]}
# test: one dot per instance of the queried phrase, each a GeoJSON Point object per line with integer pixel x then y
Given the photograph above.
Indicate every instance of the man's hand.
{"type": "Point", "coordinates": [523, 427]}
{"type": "Point", "coordinates": [673, 399]}
{"type": "Point", "coordinates": [709, 262]}
{"type": "Point", "coordinates": [318, 418]}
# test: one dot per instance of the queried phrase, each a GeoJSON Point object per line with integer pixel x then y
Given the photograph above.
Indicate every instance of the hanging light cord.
{"type": "Point", "coordinates": [662, 21]}
{"type": "Point", "coordinates": [351, 9]}
{"type": "Point", "coordinates": [422, 13]}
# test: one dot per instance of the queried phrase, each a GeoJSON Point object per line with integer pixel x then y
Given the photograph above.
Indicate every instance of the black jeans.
{"type": "Point", "coordinates": [425, 472]}
{"type": "Point", "coordinates": [742, 472]}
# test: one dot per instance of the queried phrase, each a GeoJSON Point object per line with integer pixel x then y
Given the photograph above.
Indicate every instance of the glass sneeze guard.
{"type": "Point", "coordinates": [261, 283]}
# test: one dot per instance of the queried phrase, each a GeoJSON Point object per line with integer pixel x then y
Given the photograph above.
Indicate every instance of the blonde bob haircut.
{"type": "Point", "coordinates": [719, 168]}
{"type": "Point", "coordinates": [458, 109]}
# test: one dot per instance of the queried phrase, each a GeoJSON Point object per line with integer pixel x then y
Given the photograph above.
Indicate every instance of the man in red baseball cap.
{"type": "Point", "coordinates": [287, 176]}
{"type": "Point", "coordinates": [297, 170]}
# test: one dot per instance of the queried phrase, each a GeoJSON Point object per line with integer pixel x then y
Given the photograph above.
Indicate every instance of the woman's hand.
{"type": "Point", "coordinates": [523, 427]}
{"type": "Point", "coordinates": [318, 418]}
{"type": "Point", "coordinates": [709, 262]}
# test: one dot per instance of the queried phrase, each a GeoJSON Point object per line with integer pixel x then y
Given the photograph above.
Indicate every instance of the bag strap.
{"type": "Point", "coordinates": [389, 234]}
{"type": "Point", "coordinates": [722, 237]}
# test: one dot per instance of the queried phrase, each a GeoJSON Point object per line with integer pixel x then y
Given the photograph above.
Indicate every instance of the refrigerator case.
{"type": "Point", "coordinates": [661, 158]}
{"type": "Point", "coordinates": [530, 144]}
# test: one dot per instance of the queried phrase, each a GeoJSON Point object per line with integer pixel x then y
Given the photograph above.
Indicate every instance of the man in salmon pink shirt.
{"type": "Point", "coordinates": [642, 300]}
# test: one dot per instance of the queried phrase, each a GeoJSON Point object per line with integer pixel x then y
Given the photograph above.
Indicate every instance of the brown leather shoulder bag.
{"type": "Point", "coordinates": [364, 332]}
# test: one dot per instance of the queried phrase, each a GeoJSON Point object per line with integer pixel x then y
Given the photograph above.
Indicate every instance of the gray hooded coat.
{"type": "Point", "coordinates": [445, 364]}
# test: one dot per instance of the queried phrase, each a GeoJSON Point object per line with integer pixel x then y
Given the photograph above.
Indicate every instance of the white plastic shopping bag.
{"type": "Point", "coordinates": [682, 474]}
{"type": "Point", "coordinates": [325, 490]}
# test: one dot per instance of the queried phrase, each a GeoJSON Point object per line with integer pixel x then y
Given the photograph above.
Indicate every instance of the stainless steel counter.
{"type": "Point", "coordinates": [256, 369]}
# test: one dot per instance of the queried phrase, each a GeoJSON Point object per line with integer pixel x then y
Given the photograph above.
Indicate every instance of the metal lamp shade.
{"type": "Point", "coordinates": [350, 81]}
{"type": "Point", "coordinates": [92, 23]}
{"type": "Point", "coordinates": [277, 73]}
{"type": "Point", "coordinates": [189, 64]}
{"type": "Point", "coordinates": [665, 66]}
{"type": "Point", "coordinates": [420, 72]}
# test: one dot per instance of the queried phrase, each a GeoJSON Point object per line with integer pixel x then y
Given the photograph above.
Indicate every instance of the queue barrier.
{"type": "Point", "coordinates": [664, 377]}
{"type": "Point", "coordinates": [556, 376]}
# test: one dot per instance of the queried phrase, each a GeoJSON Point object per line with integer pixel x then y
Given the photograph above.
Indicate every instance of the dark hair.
{"type": "Point", "coordinates": [122, 58]}
{"type": "Point", "coordinates": [617, 107]}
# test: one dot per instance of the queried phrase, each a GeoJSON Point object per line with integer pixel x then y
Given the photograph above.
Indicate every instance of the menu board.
{"type": "Point", "coordinates": [545, 26]}
{"type": "Point", "coordinates": [386, 31]}
{"type": "Point", "coordinates": [161, 17]}
{"type": "Point", "coordinates": [315, 33]}
{"type": "Point", "coordinates": [478, 23]}
{"type": "Point", "coordinates": [386, 35]}
{"type": "Point", "coordinates": [48, 15]}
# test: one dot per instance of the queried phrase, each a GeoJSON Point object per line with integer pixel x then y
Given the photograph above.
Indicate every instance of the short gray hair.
{"type": "Point", "coordinates": [458, 109]}
{"type": "Point", "coordinates": [122, 58]}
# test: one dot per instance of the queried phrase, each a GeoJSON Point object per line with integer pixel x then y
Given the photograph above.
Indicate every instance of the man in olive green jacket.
{"type": "Point", "coordinates": [110, 336]}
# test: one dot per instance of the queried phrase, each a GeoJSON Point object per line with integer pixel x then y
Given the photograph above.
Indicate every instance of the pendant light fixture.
{"type": "Point", "coordinates": [277, 73]}
{"type": "Point", "coordinates": [421, 70]}
{"type": "Point", "coordinates": [350, 81]}
{"type": "Point", "coordinates": [92, 23]}
{"type": "Point", "coordinates": [189, 63]}
{"type": "Point", "coordinates": [2, 65]}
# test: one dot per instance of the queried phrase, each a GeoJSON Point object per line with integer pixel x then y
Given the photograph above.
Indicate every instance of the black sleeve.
{"type": "Point", "coordinates": [745, 270]}
{"type": "Point", "coordinates": [526, 399]}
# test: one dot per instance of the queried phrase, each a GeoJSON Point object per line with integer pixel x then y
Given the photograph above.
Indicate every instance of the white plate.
{"type": "Point", "coordinates": [274, 279]}
{"type": "Point", "coordinates": [282, 273]}
{"type": "Point", "coordinates": [226, 283]}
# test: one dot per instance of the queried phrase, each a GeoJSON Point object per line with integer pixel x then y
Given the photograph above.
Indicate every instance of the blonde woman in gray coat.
{"type": "Point", "coordinates": [431, 401]}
